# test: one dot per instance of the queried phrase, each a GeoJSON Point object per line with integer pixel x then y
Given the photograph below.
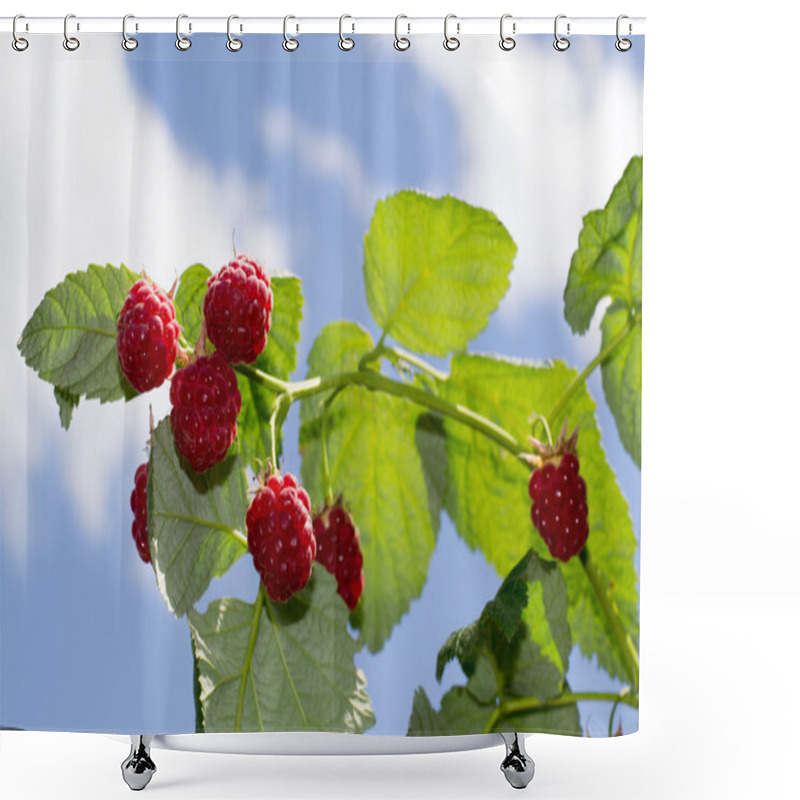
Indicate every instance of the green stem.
{"type": "Point", "coordinates": [275, 385]}
{"type": "Point", "coordinates": [625, 645]}
{"type": "Point", "coordinates": [248, 658]}
{"type": "Point", "coordinates": [539, 418]}
{"type": "Point", "coordinates": [379, 382]}
{"type": "Point", "coordinates": [374, 354]}
{"type": "Point", "coordinates": [576, 384]}
{"type": "Point", "coordinates": [611, 718]}
{"type": "Point", "coordinates": [416, 361]}
{"type": "Point", "coordinates": [521, 705]}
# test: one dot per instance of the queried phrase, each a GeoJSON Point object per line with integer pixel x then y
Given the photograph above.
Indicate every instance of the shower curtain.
{"type": "Point", "coordinates": [321, 384]}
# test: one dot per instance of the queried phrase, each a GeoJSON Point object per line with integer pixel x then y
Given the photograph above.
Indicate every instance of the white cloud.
{"type": "Point", "coordinates": [545, 136]}
{"type": "Point", "coordinates": [92, 173]}
{"type": "Point", "coordinates": [325, 154]}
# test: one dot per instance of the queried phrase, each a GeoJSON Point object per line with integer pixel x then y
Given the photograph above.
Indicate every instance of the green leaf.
{"type": "Point", "coordinates": [195, 521]}
{"type": "Point", "coordinates": [462, 645]}
{"type": "Point", "coordinates": [338, 348]}
{"type": "Point", "coordinates": [608, 261]}
{"type": "Point", "coordinates": [71, 339]}
{"type": "Point", "coordinates": [462, 713]}
{"type": "Point", "coordinates": [376, 467]}
{"type": "Point", "coordinates": [622, 377]}
{"type": "Point", "coordinates": [192, 288]}
{"type": "Point", "coordinates": [521, 642]}
{"type": "Point", "coordinates": [280, 666]}
{"type": "Point", "coordinates": [279, 359]}
{"type": "Point", "coordinates": [67, 403]}
{"type": "Point", "coordinates": [487, 490]}
{"type": "Point", "coordinates": [434, 270]}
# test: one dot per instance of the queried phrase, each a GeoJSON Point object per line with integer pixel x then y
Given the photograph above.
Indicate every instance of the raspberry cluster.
{"type": "Point", "coordinates": [559, 511]}
{"type": "Point", "coordinates": [205, 404]}
{"type": "Point", "coordinates": [139, 508]}
{"type": "Point", "coordinates": [280, 536]}
{"type": "Point", "coordinates": [339, 551]}
{"type": "Point", "coordinates": [204, 395]}
{"type": "Point", "coordinates": [237, 309]}
{"type": "Point", "coordinates": [147, 336]}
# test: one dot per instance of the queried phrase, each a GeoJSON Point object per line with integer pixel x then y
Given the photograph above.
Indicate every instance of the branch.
{"type": "Point", "coordinates": [521, 705]}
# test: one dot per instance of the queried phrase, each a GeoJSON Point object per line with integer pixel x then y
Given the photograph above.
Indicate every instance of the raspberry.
{"type": "Point", "coordinates": [205, 403]}
{"type": "Point", "coordinates": [280, 536]}
{"type": "Point", "coordinates": [339, 551]}
{"type": "Point", "coordinates": [139, 508]}
{"type": "Point", "coordinates": [558, 492]}
{"type": "Point", "coordinates": [237, 309]}
{"type": "Point", "coordinates": [147, 336]}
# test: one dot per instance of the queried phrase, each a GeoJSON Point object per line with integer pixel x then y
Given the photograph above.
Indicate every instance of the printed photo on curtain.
{"type": "Point", "coordinates": [321, 383]}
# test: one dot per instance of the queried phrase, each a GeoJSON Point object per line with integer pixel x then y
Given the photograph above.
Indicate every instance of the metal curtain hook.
{"type": "Point", "coordinates": [401, 42]}
{"type": "Point", "coordinates": [507, 42]}
{"type": "Point", "coordinates": [623, 45]}
{"type": "Point", "coordinates": [233, 44]}
{"type": "Point", "coordinates": [71, 43]}
{"type": "Point", "coordinates": [289, 44]}
{"type": "Point", "coordinates": [18, 42]}
{"type": "Point", "coordinates": [181, 42]}
{"type": "Point", "coordinates": [451, 42]}
{"type": "Point", "coordinates": [128, 42]}
{"type": "Point", "coordinates": [345, 42]}
{"type": "Point", "coordinates": [561, 43]}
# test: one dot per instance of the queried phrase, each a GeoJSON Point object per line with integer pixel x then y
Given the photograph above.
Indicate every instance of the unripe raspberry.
{"type": "Point", "coordinates": [205, 403]}
{"type": "Point", "coordinates": [237, 309]}
{"type": "Point", "coordinates": [139, 508]}
{"type": "Point", "coordinates": [559, 510]}
{"type": "Point", "coordinates": [280, 536]}
{"type": "Point", "coordinates": [339, 551]}
{"type": "Point", "coordinates": [147, 336]}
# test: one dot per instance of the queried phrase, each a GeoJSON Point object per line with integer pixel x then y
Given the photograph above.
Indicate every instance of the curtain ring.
{"type": "Point", "coordinates": [233, 44]}
{"type": "Point", "coordinates": [401, 42]}
{"type": "Point", "coordinates": [128, 42]}
{"type": "Point", "coordinates": [181, 42]}
{"type": "Point", "coordinates": [71, 43]}
{"type": "Point", "coordinates": [623, 45]}
{"type": "Point", "coordinates": [507, 42]}
{"type": "Point", "coordinates": [451, 42]}
{"type": "Point", "coordinates": [345, 42]}
{"type": "Point", "coordinates": [289, 43]}
{"type": "Point", "coordinates": [561, 43]}
{"type": "Point", "coordinates": [18, 42]}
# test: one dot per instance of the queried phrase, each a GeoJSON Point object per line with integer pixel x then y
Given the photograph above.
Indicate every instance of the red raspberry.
{"type": "Point", "coordinates": [147, 336]}
{"type": "Point", "coordinates": [237, 309]}
{"type": "Point", "coordinates": [205, 403]}
{"type": "Point", "coordinates": [280, 536]}
{"type": "Point", "coordinates": [558, 492]}
{"type": "Point", "coordinates": [139, 508]}
{"type": "Point", "coordinates": [339, 551]}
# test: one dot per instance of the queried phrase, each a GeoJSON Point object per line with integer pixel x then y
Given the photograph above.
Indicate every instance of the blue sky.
{"type": "Point", "coordinates": [315, 138]}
